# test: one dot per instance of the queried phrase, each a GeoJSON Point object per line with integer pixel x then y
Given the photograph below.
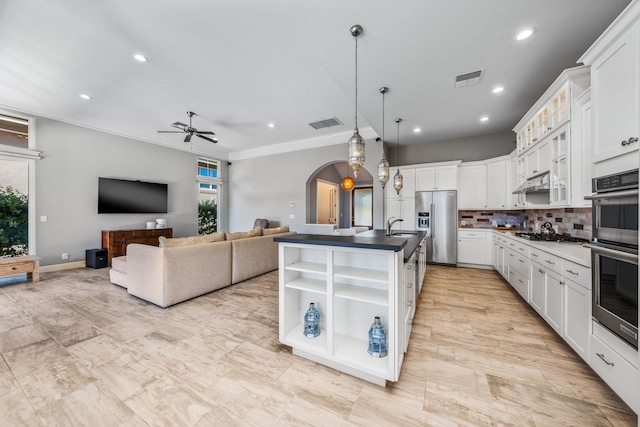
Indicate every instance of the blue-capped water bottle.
{"type": "Point", "coordinates": [377, 339]}
{"type": "Point", "coordinates": [312, 322]}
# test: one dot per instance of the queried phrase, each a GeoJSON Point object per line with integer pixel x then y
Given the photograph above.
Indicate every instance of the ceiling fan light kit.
{"type": "Point", "coordinates": [355, 145]}
{"type": "Point", "coordinates": [190, 130]}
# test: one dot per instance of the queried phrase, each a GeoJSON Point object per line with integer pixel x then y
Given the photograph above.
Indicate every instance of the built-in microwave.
{"type": "Point", "coordinates": [615, 208]}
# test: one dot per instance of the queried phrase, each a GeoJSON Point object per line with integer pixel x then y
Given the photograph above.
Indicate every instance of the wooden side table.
{"type": "Point", "coordinates": [19, 265]}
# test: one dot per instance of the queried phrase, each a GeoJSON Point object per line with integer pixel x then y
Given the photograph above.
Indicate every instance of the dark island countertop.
{"type": "Point", "coordinates": [372, 239]}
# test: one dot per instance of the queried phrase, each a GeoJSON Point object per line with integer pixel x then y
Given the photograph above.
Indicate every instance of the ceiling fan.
{"type": "Point", "coordinates": [190, 130]}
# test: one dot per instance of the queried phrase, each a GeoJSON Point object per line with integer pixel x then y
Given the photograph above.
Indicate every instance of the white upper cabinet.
{"type": "Point", "coordinates": [408, 183]}
{"type": "Point", "coordinates": [615, 91]}
{"type": "Point", "coordinates": [472, 186]}
{"type": "Point", "coordinates": [538, 160]}
{"type": "Point", "coordinates": [437, 178]}
{"type": "Point", "coordinates": [497, 185]}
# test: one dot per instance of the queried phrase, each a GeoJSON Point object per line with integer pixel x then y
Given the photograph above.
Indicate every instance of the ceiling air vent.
{"type": "Point", "coordinates": [469, 79]}
{"type": "Point", "coordinates": [325, 123]}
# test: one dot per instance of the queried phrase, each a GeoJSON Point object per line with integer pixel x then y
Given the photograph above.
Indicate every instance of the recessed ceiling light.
{"type": "Point", "coordinates": [140, 57]}
{"type": "Point", "coordinates": [498, 89]}
{"type": "Point", "coordinates": [84, 96]}
{"type": "Point", "coordinates": [271, 125]}
{"type": "Point", "coordinates": [484, 118]}
{"type": "Point", "coordinates": [525, 34]}
{"type": "Point", "coordinates": [417, 130]}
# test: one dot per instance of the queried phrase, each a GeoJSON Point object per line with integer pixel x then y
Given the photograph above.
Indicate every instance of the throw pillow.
{"type": "Point", "coordinates": [243, 234]}
{"type": "Point", "coordinates": [277, 230]}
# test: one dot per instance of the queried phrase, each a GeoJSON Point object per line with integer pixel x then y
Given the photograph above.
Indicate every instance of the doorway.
{"type": "Point", "coordinates": [328, 203]}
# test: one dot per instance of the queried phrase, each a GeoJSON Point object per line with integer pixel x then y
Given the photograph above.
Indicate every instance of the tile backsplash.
{"type": "Point", "coordinates": [575, 222]}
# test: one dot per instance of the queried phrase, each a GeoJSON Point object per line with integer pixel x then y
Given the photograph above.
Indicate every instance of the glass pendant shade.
{"type": "Point", "coordinates": [397, 182]}
{"type": "Point", "coordinates": [347, 183]}
{"type": "Point", "coordinates": [397, 179]}
{"type": "Point", "coordinates": [356, 152]}
{"type": "Point", "coordinates": [383, 171]}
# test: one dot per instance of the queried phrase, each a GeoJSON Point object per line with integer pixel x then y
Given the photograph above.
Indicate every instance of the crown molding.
{"type": "Point", "coordinates": [301, 144]}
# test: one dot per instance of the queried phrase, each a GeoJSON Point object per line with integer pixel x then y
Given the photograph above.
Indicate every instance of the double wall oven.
{"type": "Point", "coordinates": [614, 254]}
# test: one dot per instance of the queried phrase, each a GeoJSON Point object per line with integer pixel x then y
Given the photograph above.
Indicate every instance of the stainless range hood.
{"type": "Point", "coordinates": [535, 184]}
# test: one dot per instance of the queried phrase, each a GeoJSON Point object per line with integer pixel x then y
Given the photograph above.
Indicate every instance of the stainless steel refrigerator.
{"type": "Point", "coordinates": [437, 214]}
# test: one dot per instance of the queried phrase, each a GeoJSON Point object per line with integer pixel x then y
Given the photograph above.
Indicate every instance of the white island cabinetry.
{"type": "Point", "coordinates": [349, 286]}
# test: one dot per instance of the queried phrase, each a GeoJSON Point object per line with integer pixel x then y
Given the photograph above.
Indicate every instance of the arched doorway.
{"type": "Point", "coordinates": [325, 178]}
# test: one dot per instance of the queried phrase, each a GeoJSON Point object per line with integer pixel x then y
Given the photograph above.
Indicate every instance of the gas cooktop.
{"type": "Point", "coordinates": [539, 237]}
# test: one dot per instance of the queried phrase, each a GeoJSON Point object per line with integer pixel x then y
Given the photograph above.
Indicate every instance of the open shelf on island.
{"type": "Point", "coordinates": [296, 338]}
{"type": "Point", "coordinates": [353, 351]}
{"type": "Point", "coordinates": [378, 276]}
{"type": "Point", "coordinates": [359, 293]}
{"type": "Point", "coordinates": [307, 284]}
{"type": "Point", "coordinates": [307, 267]}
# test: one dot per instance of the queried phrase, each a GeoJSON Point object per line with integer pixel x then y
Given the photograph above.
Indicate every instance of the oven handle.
{"type": "Point", "coordinates": [613, 195]}
{"type": "Point", "coordinates": [623, 256]}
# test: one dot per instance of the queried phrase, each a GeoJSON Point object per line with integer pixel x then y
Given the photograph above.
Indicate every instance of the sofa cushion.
{"type": "Point", "coordinates": [188, 241]}
{"type": "Point", "coordinates": [119, 264]}
{"type": "Point", "coordinates": [243, 234]}
{"type": "Point", "coordinates": [277, 230]}
{"type": "Point", "coordinates": [261, 222]}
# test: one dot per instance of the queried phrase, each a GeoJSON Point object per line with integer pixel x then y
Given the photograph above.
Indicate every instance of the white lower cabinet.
{"type": "Point", "coordinates": [554, 300]}
{"type": "Point", "coordinates": [472, 247]}
{"type": "Point", "coordinates": [349, 286]}
{"type": "Point", "coordinates": [577, 317]}
{"type": "Point", "coordinates": [409, 299]}
{"type": "Point", "coordinates": [616, 363]}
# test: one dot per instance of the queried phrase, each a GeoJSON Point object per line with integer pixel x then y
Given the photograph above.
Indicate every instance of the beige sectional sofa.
{"type": "Point", "coordinates": [183, 268]}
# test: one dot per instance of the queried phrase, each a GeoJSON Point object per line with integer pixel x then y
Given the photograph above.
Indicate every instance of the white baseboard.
{"type": "Point", "coordinates": [480, 266]}
{"type": "Point", "coordinates": [61, 267]}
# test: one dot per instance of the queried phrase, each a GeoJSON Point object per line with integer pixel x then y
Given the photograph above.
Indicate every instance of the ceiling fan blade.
{"type": "Point", "coordinates": [207, 138]}
{"type": "Point", "coordinates": [179, 125]}
{"type": "Point", "coordinates": [170, 131]}
{"type": "Point", "coordinates": [205, 132]}
{"type": "Point", "coordinates": [188, 137]}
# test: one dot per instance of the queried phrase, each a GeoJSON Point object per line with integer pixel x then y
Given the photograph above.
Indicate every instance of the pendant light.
{"type": "Point", "coordinates": [355, 145]}
{"type": "Point", "coordinates": [383, 166]}
{"type": "Point", "coordinates": [397, 179]}
{"type": "Point", "coordinates": [348, 183]}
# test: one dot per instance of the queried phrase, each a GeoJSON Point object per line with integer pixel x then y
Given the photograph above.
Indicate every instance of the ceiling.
{"type": "Point", "coordinates": [241, 65]}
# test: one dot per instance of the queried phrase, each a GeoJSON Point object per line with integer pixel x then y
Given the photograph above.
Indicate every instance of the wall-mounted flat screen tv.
{"type": "Point", "coordinates": [118, 196]}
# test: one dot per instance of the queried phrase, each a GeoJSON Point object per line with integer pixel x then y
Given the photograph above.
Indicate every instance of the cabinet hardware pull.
{"type": "Point", "coordinates": [511, 255]}
{"type": "Point", "coordinates": [550, 262]}
{"type": "Point", "coordinates": [14, 268]}
{"type": "Point", "coordinates": [522, 261]}
{"type": "Point", "coordinates": [629, 142]}
{"type": "Point", "coordinates": [561, 282]}
{"type": "Point", "coordinates": [520, 280]}
{"type": "Point", "coordinates": [541, 271]}
{"type": "Point", "coordinates": [601, 356]}
{"type": "Point", "coordinates": [535, 255]}
{"type": "Point", "coordinates": [572, 272]}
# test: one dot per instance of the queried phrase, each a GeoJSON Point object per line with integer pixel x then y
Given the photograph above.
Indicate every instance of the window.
{"type": "Point", "coordinates": [14, 131]}
{"type": "Point", "coordinates": [362, 207]}
{"type": "Point", "coordinates": [209, 186]}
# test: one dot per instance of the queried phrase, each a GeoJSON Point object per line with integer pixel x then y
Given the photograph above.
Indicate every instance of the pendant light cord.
{"type": "Point", "coordinates": [356, 37]}
{"type": "Point", "coordinates": [398, 153]}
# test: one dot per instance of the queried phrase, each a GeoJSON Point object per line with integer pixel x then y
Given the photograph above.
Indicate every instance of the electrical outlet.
{"type": "Point", "coordinates": [65, 255]}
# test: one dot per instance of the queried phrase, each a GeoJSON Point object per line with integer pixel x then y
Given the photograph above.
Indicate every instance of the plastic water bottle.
{"type": "Point", "coordinates": [312, 322]}
{"type": "Point", "coordinates": [377, 339]}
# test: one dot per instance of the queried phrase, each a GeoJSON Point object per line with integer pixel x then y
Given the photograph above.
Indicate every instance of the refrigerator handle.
{"type": "Point", "coordinates": [433, 221]}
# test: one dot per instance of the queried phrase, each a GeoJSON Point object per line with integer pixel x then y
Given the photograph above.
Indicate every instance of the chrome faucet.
{"type": "Point", "coordinates": [390, 224]}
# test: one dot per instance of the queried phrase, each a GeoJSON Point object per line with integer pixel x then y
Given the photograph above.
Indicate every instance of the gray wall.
{"type": "Point", "coordinates": [466, 149]}
{"type": "Point", "coordinates": [265, 187]}
{"type": "Point", "coordinates": [67, 187]}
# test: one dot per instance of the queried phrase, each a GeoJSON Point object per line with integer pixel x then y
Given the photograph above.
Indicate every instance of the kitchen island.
{"type": "Point", "coordinates": [351, 280]}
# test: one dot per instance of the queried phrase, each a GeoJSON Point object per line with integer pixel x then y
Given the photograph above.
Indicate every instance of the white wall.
{"type": "Point", "coordinates": [264, 187]}
{"type": "Point", "coordinates": [67, 187]}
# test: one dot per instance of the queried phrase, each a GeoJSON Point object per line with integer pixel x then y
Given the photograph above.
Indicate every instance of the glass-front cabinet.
{"type": "Point", "coordinates": [559, 178]}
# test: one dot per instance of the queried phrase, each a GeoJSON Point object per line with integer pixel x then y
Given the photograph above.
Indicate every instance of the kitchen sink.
{"type": "Point", "coordinates": [400, 234]}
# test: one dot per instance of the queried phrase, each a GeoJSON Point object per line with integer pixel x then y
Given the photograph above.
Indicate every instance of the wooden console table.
{"type": "Point", "coordinates": [116, 241]}
{"type": "Point", "coordinates": [19, 265]}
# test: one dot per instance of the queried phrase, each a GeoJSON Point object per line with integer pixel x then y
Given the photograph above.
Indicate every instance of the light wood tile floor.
{"type": "Point", "coordinates": [77, 350]}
